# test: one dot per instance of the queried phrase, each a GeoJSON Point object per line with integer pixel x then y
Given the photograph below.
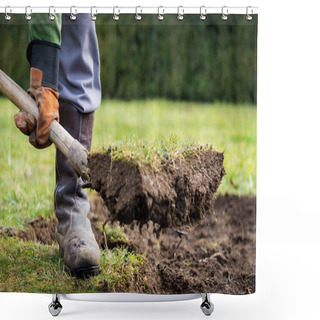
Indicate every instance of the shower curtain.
{"type": "Point", "coordinates": [167, 203]}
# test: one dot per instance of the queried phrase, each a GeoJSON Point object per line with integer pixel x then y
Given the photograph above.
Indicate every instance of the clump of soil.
{"type": "Point", "coordinates": [176, 194]}
{"type": "Point", "coordinates": [40, 229]}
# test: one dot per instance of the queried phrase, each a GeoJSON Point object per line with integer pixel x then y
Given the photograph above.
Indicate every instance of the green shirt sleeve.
{"type": "Point", "coordinates": [41, 28]}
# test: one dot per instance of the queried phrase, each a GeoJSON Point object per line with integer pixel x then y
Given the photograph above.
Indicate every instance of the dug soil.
{"type": "Point", "coordinates": [218, 255]}
{"type": "Point", "coordinates": [174, 193]}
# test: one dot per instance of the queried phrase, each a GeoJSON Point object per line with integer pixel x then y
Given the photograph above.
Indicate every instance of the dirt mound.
{"type": "Point", "coordinates": [217, 256]}
{"type": "Point", "coordinates": [177, 194]}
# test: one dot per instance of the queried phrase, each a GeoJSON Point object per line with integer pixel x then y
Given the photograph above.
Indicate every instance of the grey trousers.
{"type": "Point", "coordinates": [79, 70]}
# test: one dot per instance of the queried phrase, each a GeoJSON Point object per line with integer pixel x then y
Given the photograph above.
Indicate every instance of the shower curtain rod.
{"type": "Point", "coordinates": [138, 10]}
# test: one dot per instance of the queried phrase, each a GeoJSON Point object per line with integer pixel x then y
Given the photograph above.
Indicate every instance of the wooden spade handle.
{"type": "Point", "coordinates": [70, 147]}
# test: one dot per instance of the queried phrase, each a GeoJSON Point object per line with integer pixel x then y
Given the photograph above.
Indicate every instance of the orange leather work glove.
{"type": "Point", "coordinates": [48, 105]}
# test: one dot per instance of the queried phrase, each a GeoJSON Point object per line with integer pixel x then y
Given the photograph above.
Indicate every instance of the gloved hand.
{"type": "Point", "coordinates": [47, 103]}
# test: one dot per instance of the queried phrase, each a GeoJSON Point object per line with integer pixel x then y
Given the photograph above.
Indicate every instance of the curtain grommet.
{"type": "Point", "coordinates": [224, 13]}
{"type": "Point", "coordinates": [7, 16]}
{"type": "Point", "coordinates": [249, 14]}
{"type": "Point", "coordinates": [160, 14]}
{"type": "Point", "coordinates": [116, 15]}
{"type": "Point", "coordinates": [28, 12]}
{"type": "Point", "coordinates": [51, 13]}
{"type": "Point", "coordinates": [138, 16]}
{"type": "Point", "coordinates": [93, 13]}
{"type": "Point", "coordinates": [180, 15]}
{"type": "Point", "coordinates": [203, 13]}
{"type": "Point", "coordinates": [73, 12]}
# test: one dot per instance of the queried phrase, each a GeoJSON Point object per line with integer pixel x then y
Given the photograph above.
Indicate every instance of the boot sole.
{"type": "Point", "coordinates": [84, 272]}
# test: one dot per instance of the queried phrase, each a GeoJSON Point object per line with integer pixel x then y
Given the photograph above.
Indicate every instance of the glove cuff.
{"type": "Point", "coordinates": [45, 56]}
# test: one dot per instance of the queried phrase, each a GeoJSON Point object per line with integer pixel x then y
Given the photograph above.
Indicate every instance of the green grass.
{"type": "Point", "coordinates": [32, 267]}
{"type": "Point", "coordinates": [151, 152]}
{"type": "Point", "coordinates": [114, 234]}
{"type": "Point", "coordinates": [27, 181]}
{"type": "Point", "coordinates": [27, 175]}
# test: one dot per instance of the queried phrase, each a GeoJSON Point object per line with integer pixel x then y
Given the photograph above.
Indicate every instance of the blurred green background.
{"type": "Point", "coordinates": [189, 60]}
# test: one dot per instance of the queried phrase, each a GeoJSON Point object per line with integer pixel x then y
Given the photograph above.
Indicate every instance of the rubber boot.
{"type": "Point", "coordinates": [77, 244]}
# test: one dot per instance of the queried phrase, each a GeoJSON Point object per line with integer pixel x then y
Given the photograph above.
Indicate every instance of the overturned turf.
{"type": "Point", "coordinates": [178, 192]}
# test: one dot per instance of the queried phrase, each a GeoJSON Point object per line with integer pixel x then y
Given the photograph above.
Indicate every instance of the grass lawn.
{"type": "Point", "coordinates": [27, 176]}
{"type": "Point", "coordinates": [32, 267]}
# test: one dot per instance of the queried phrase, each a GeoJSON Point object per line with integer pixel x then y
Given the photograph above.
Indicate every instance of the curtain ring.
{"type": "Point", "coordinates": [51, 15]}
{"type": "Point", "coordinates": [116, 15]}
{"type": "Point", "coordinates": [138, 15]}
{"type": "Point", "coordinates": [180, 13]}
{"type": "Point", "coordinates": [6, 14]}
{"type": "Point", "coordinates": [73, 12]}
{"type": "Point", "coordinates": [93, 14]}
{"type": "Point", "coordinates": [249, 15]}
{"type": "Point", "coordinates": [160, 15]}
{"type": "Point", "coordinates": [224, 13]}
{"type": "Point", "coordinates": [203, 13]}
{"type": "Point", "coordinates": [28, 13]}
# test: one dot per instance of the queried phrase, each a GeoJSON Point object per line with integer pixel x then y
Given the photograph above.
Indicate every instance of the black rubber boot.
{"type": "Point", "coordinates": [77, 243]}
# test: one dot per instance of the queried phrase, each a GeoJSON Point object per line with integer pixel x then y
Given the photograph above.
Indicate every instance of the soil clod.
{"type": "Point", "coordinates": [177, 194]}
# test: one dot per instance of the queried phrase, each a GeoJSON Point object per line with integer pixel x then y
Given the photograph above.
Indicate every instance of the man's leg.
{"type": "Point", "coordinates": [76, 240]}
{"type": "Point", "coordinates": [80, 95]}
